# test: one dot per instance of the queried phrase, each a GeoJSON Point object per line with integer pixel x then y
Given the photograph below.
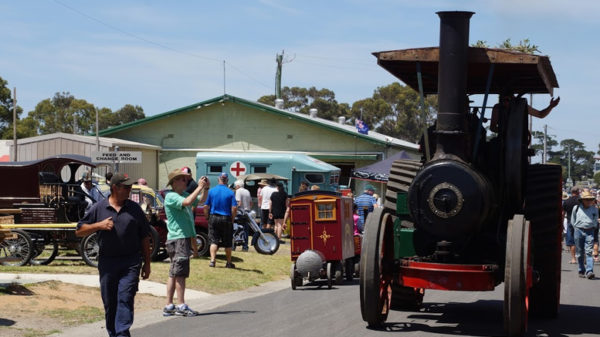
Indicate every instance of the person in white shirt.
{"type": "Point", "coordinates": [265, 205]}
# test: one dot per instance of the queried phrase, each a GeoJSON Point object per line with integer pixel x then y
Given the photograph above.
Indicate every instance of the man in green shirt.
{"type": "Point", "coordinates": [180, 225]}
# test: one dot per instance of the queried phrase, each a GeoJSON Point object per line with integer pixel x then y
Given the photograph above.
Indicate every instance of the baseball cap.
{"type": "Point", "coordinates": [224, 176]}
{"type": "Point", "coordinates": [369, 187]}
{"type": "Point", "coordinates": [120, 178]}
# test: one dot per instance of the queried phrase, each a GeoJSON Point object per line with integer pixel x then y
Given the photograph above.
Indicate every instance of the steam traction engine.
{"type": "Point", "coordinates": [473, 213]}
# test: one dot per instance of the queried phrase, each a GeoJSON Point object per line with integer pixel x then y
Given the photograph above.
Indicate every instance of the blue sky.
{"type": "Point", "coordinates": [163, 55]}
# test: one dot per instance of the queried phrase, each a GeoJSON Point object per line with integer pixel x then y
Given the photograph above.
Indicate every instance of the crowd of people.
{"type": "Point", "coordinates": [123, 230]}
{"type": "Point", "coordinates": [581, 229]}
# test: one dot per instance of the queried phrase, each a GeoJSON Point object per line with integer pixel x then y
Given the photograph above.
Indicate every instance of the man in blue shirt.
{"type": "Point", "coordinates": [222, 207]}
{"type": "Point", "coordinates": [123, 236]}
{"type": "Point", "coordinates": [365, 204]}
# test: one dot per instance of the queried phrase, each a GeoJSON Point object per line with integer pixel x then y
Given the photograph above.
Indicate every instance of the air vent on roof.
{"type": "Point", "coordinates": [312, 113]}
{"type": "Point", "coordinates": [279, 103]}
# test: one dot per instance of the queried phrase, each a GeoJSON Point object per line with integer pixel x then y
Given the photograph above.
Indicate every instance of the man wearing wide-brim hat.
{"type": "Point", "coordinates": [585, 221]}
{"type": "Point", "coordinates": [181, 231]}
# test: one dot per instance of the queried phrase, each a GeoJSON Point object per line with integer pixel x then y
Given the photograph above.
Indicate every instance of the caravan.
{"type": "Point", "coordinates": [294, 166]}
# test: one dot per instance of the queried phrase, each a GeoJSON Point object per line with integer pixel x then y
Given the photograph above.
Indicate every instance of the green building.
{"type": "Point", "coordinates": [231, 124]}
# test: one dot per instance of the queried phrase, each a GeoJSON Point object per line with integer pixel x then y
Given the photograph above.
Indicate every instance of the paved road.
{"type": "Point", "coordinates": [314, 311]}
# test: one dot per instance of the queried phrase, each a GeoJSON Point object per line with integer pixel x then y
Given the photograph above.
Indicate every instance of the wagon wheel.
{"type": "Point", "coordinates": [329, 275]}
{"type": "Point", "coordinates": [517, 276]}
{"type": "Point", "coordinates": [376, 268]}
{"type": "Point", "coordinates": [17, 251]}
{"type": "Point", "coordinates": [90, 249]}
{"type": "Point", "coordinates": [45, 249]}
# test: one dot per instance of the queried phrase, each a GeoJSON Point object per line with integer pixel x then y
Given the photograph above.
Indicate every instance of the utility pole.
{"type": "Point", "coordinates": [280, 61]}
{"type": "Point", "coordinates": [545, 135]}
{"type": "Point", "coordinates": [15, 123]}
{"type": "Point", "coordinates": [224, 87]}
{"type": "Point", "coordinates": [97, 137]}
{"type": "Point", "coordinates": [569, 163]}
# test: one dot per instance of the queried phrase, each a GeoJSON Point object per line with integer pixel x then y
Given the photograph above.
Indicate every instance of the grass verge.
{"type": "Point", "coordinates": [251, 269]}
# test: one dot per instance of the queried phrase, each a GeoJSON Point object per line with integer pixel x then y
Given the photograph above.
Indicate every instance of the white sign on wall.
{"type": "Point", "coordinates": [123, 157]}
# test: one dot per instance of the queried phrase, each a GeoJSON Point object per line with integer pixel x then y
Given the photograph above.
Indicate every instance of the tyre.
{"type": "Point", "coordinates": [202, 242]}
{"type": "Point", "coordinates": [154, 243]}
{"type": "Point", "coordinates": [516, 291]}
{"type": "Point", "coordinates": [17, 251]}
{"type": "Point", "coordinates": [269, 246]}
{"type": "Point", "coordinates": [329, 275]}
{"type": "Point", "coordinates": [543, 210]}
{"type": "Point", "coordinates": [338, 272]}
{"type": "Point", "coordinates": [376, 268]}
{"type": "Point", "coordinates": [45, 249]}
{"type": "Point", "coordinates": [90, 249]}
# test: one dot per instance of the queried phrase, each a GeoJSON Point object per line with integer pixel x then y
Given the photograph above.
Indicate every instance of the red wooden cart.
{"type": "Point", "coordinates": [321, 237]}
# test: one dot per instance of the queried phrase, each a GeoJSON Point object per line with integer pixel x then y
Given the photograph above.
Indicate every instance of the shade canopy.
{"type": "Point", "coordinates": [380, 170]}
{"type": "Point", "coordinates": [521, 72]}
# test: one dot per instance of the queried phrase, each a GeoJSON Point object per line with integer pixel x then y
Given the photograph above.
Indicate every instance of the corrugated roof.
{"type": "Point", "coordinates": [343, 128]}
{"type": "Point", "coordinates": [104, 141]}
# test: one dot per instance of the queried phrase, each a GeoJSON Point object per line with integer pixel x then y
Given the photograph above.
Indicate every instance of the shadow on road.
{"type": "Point", "coordinates": [226, 312]}
{"type": "Point", "coordinates": [485, 318]}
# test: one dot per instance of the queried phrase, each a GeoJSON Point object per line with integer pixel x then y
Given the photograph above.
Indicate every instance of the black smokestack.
{"type": "Point", "coordinates": [452, 83]}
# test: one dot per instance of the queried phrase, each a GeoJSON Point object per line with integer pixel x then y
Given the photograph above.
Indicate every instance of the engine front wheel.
{"type": "Point", "coordinates": [376, 268]}
{"type": "Point", "coordinates": [517, 276]}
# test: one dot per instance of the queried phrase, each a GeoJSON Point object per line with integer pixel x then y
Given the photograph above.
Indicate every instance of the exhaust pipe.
{"type": "Point", "coordinates": [452, 84]}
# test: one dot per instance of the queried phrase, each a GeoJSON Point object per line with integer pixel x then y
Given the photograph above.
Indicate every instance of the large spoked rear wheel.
{"type": "Point", "coordinates": [517, 276]}
{"type": "Point", "coordinates": [17, 251]}
{"type": "Point", "coordinates": [543, 210]}
{"type": "Point", "coordinates": [376, 268]}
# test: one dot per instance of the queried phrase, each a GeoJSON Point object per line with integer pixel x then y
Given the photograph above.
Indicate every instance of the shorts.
{"type": "Point", "coordinates": [264, 218]}
{"type": "Point", "coordinates": [220, 230]}
{"type": "Point", "coordinates": [179, 251]}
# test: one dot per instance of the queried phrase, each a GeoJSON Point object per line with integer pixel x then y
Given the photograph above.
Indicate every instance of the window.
{"type": "Point", "coordinates": [334, 178]}
{"type": "Point", "coordinates": [215, 168]}
{"type": "Point", "coordinates": [259, 169]}
{"type": "Point", "coordinates": [314, 178]}
{"type": "Point", "coordinates": [325, 210]}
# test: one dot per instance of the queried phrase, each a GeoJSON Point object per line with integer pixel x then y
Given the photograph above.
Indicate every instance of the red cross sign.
{"type": "Point", "coordinates": [237, 169]}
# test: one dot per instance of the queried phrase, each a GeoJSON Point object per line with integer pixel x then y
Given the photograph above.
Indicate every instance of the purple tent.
{"type": "Point", "coordinates": [380, 170]}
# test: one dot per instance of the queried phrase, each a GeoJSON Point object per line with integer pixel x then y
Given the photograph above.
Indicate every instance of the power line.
{"type": "Point", "coordinates": [156, 43]}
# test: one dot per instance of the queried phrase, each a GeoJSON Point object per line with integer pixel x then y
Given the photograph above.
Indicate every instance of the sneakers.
{"type": "Point", "coordinates": [590, 275]}
{"type": "Point", "coordinates": [184, 310]}
{"type": "Point", "coordinates": [229, 265]}
{"type": "Point", "coordinates": [211, 264]}
{"type": "Point", "coordinates": [581, 275]}
{"type": "Point", "coordinates": [169, 310]}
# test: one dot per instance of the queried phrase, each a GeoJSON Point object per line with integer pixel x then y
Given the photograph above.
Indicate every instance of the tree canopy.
{"type": "Point", "coordinates": [6, 108]}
